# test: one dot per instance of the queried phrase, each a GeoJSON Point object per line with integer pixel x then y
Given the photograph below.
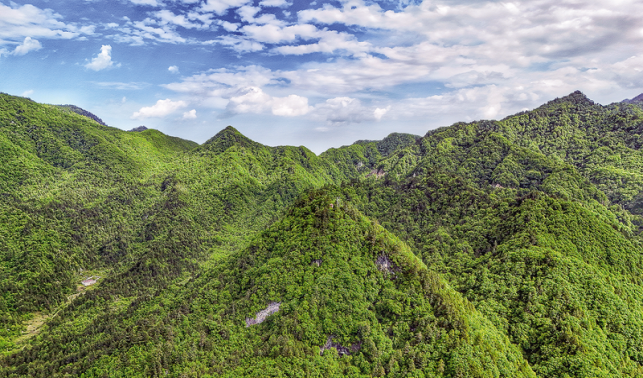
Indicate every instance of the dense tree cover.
{"type": "Point", "coordinates": [74, 196]}
{"type": "Point", "coordinates": [338, 277]}
{"type": "Point", "coordinates": [82, 112]}
{"type": "Point", "coordinates": [555, 275]}
{"type": "Point", "coordinates": [519, 249]}
{"type": "Point", "coordinates": [80, 196]}
{"type": "Point", "coordinates": [360, 158]}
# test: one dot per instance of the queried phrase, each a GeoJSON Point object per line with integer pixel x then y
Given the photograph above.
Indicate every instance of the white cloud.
{"type": "Point", "coordinates": [18, 22]}
{"type": "Point", "coordinates": [122, 86]}
{"type": "Point", "coordinates": [229, 26]}
{"type": "Point", "coordinates": [160, 109]}
{"type": "Point", "coordinates": [221, 6]}
{"type": "Point", "coordinates": [265, 30]}
{"type": "Point", "coordinates": [239, 44]}
{"type": "Point", "coordinates": [378, 113]}
{"type": "Point", "coordinates": [247, 14]}
{"type": "Point", "coordinates": [167, 17]}
{"type": "Point", "coordinates": [344, 110]}
{"type": "Point", "coordinates": [255, 100]}
{"type": "Point", "coordinates": [629, 72]}
{"type": "Point", "coordinates": [290, 106]}
{"type": "Point", "coordinates": [277, 34]}
{"type": "Point", "coordinates": [240, 92]}
{"type": "Point", "coordinates": [485, 59]}
{"type": "Point", "coordinates": [223, 82]}
{"type": "Point", "coordinates": [153, 3]}
{"type": "Point", "coordinates": [27, 45]}
{"type": "Point", "coordinates": [274, 3]}
{"type": "Point", "coordinates": [190, 115]}
{"type": "Point", "coordinates": [173, 69]}
{"type": "Point", "coordinates": [163, 34]}
{"type": "Point", "coordinates": [27, 93]}
{"type": "Point", "coordinates": [328, 42]}
{"type": "Point", "coordinates": [249, 100]}
{"type": "Point", "coordinates": [137, 32]}
{"type": "Point", "coordinates": [103, 60]}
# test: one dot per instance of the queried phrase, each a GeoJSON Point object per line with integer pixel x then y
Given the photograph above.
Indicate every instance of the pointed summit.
{"type": "Point", "coordinates": [575, 98]}
{"type": "Point", "coordinates": [227, 138]}
{"type": "Point", "coordinates": [326, 277]}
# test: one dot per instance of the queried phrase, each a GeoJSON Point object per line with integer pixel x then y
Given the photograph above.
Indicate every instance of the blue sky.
{"type": "Point", "coordinates": [316, 73]}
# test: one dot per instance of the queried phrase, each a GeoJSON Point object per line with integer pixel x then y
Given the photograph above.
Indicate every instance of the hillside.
{"type": "Point", "coordinates": [506, 248]}
{"type": "Point", "coordinates": [332, 278]}
{"type": "Point", "coordinates": [82, 112]}
{"type": "Point", "coordinates": [62, 177]}
{"type": "Point", "coordinates": [81, 197]}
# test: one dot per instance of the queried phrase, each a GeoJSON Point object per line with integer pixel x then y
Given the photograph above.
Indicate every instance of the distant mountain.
{"type": "Point", "coordinates": [82, 112]}
{"type": "Point", "coordinates": [492, 248]}
{"type": "Point", "coordinates": [139, 129]}
{"type": "Point", "coordinates": [636, 100]}
{"type": "Point", "coordinates": [362, 157]}
{"type": "Point", "coordinates": [392, 142]}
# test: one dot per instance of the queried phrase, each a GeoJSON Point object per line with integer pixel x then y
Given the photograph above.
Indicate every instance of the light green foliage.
{"type": "Point", "coordinates": [321, 265]}
{"type": "Point", "coordinates": [506, 248]}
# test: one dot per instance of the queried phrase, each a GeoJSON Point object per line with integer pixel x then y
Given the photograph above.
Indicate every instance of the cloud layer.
{"type": "Point", "coordinates": [350, 62]}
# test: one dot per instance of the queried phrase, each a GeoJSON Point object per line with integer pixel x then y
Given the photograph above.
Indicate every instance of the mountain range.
{"type": "Point", "coordinates": [495, 248]}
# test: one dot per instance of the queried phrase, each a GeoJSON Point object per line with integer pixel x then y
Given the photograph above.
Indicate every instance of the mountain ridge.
{"type": "Point", "coordinates": [529, 228]}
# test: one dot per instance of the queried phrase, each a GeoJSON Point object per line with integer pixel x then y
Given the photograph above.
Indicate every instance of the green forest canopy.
{"type": "Point", "coordinates": [492, 248]}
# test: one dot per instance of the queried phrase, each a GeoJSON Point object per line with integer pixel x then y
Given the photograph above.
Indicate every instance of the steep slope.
{"type": "Point", "coordinates": [322, 292]}
{"type": "Point", "coordinates": [362, 157]}
{"type": "Point", "coordinates": [237, 186]}
{"type": "Point", "coordinates": [636, 100]}
{"type": "Point", "coordinates": [82, 112]}
{"type": "Point", "coordinates": [529, 219]}
{"type": "Point", "coordinates": [561, 278]}
{"type": "Point", "coordinates": [602, 142]}
{"type": "Point", "coordinates": [74, 197]}
{"type": "Point", "coordinates": [141, 207]}
{"type": "Point", "coordinates": [525, 235]}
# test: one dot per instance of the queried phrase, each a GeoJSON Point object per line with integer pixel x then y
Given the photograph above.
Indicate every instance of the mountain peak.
{"type": "Point", "coordinates": [575, 98]}
{"type": "Point", "coordinates": [227, 138]}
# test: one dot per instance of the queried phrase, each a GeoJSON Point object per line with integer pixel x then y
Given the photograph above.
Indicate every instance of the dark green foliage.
{"type": "Point", "coordinates": [532, 264]}
{"type": "Point", "coordinates": [519, 249]}
{"type": "Point", "coordinates": [325, 266]}
{"type": "Point", "coordinates": [80, 196]}
{"type": "Point", "coordinates": [391, 143]}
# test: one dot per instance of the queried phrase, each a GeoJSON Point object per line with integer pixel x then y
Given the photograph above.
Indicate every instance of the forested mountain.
{"type": "Point", "coordinates": [487, 249]}
{"type": "Point", "coordinates": [82, 112]}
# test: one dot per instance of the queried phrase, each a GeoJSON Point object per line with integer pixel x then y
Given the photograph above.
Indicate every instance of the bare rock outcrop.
{"type": "Point", "coordinates": [341, 350]}
{"type": "Point", "coordinates": [378, 173]}
{"type": "Point", "coordinates": [263, 314]}
{"type": "Point", "coordinates": [385, 264]}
